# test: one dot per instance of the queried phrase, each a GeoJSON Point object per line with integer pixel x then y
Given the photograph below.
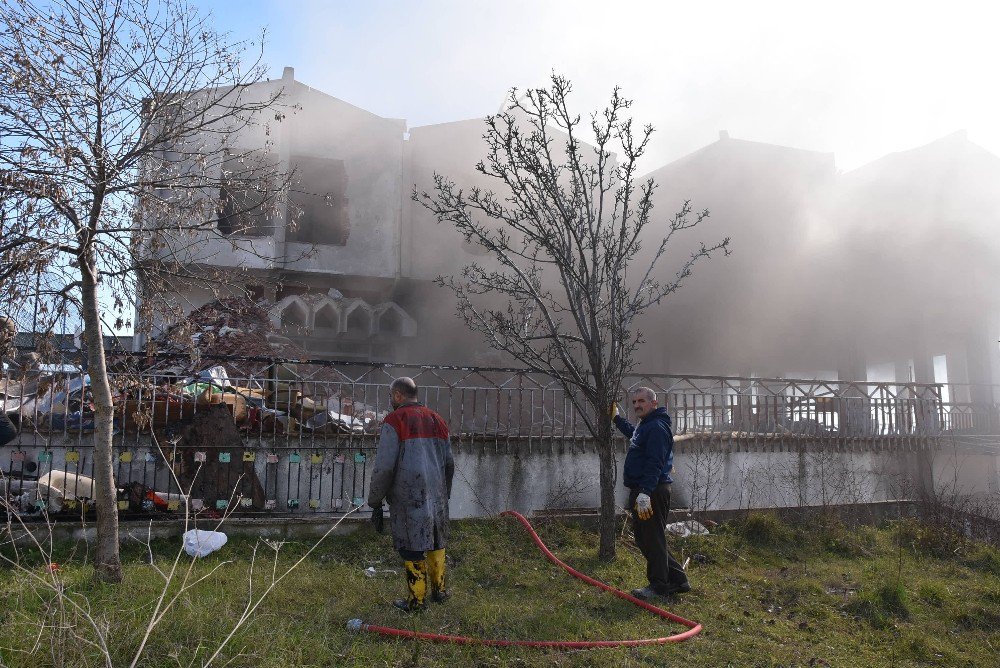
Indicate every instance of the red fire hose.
{"type": "Point", "coordinates": [693, 627]}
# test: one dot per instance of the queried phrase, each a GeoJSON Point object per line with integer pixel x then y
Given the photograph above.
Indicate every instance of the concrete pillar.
{"type": "Point", "coordinates": [921, 470]}
{"type": "Point", "coordinates": [854, 411]}
{"type": "Point", "coordinates": [922, 367]}
{"type": "Point", "coordinates": [904, 418]}
{"type": "Point", "coordinates": [927, 422]}
{"type": "Point", "coordinates": [904, 371]}
{"type": "Point", "coordinates": [743, 409]}
{"type": "Point", "coordinates": [983, 370]}
{"type": "Point", "coordinates": [957, 358]}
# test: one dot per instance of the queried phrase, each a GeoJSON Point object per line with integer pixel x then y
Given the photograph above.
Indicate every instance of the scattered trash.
{"type": "Point", "coordinates": [200, 543]}
{"type": "Point", "coordinates": [688, 528]}
{"type": "Point", "coordinates": [216, 376]}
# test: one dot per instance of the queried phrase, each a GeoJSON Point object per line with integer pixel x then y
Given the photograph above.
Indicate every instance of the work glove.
{"type": "Point", "coordinates": [377, 520]}
{"type": "Point", "coordinates": [643, 507]}
{"type": "Point", "coordinates": [614, 410]}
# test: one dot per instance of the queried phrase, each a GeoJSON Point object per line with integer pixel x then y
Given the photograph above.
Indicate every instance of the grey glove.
{"type": "Point", "coordinates": [377, 520]}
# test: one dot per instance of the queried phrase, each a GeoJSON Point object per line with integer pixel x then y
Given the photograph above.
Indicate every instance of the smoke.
{"type": "Point", "coordinates": [887, 263]}
{"type": "Point", "coordinates": [829, 272]}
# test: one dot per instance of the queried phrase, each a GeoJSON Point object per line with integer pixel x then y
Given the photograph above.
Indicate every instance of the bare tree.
{"type": "Point", "coordinates": [564, 233]}
{"type": "Point", "coordinates": [118, 161]}
{"type": "Point", "coordinates": [705, 473]}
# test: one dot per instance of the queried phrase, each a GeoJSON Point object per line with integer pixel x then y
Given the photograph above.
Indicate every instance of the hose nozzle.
{"type": "Point", "coordinates": [354, 625]}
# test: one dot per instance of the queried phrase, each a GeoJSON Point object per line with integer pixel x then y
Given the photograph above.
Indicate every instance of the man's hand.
{"type": "Point", "coordinates": [614, 410]}
{"type": "Point", "coordinates": [643, 507]}
{"type": "Point", "coordinates": [377, 520]}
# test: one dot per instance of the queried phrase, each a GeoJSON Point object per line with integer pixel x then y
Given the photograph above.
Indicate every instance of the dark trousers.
{"type": "Point", "coordinates": [7, 429]}
{"type": "Point", "coordinates": [662, 569]}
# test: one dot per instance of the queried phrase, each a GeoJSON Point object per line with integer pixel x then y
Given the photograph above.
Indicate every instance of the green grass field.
{"type": "Point", "coordinates": [767, 593]}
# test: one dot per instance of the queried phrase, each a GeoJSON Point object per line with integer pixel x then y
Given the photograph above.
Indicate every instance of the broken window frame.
{"type": "Point", "coordinates": [319, 197]}
{"type": "Point", "coordinates": [244, 208]}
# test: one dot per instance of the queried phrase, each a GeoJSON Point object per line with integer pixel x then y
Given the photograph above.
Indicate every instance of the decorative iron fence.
{"type": "Point", "coordinates": [300, 437]}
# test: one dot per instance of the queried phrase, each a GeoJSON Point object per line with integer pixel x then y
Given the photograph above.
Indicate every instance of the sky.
{"type": "Point", "coordinates": [858, 79]}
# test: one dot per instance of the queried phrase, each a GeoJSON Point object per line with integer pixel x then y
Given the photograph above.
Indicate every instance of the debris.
{"type": "Point", "coordinates": [687, 528]}
{"type": "Point", "coordinates": [201, 543]}
{"type": "Point", "coordinates": [230, 326]}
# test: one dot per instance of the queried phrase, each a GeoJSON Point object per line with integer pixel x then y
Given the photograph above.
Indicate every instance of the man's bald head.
{"type": "Point", "coordinates": [403, 390]}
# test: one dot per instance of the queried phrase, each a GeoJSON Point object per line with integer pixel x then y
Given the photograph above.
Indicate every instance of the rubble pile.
{"type": "Point", "coordinates": [232, 326]}
{"type": "Point", "coordinates": [262, 396]}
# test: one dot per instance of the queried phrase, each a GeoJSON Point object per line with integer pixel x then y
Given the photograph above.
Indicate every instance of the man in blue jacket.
{"type": "Point", "coordinates": [648, 464]}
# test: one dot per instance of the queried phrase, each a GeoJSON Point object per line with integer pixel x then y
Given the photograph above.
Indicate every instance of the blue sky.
{"type": "Point", "coordinates": [860, 79]}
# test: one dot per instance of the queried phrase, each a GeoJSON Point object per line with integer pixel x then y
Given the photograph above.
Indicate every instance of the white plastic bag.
{"type": "Point", "coordinates": [199, 543]}
{"type": "Point", "coordinates": [216, 375]}
{"type": "Point", "coordinates": [688, 528]}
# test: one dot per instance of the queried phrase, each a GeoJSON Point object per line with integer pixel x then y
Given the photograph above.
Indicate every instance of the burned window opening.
{"type": "Point", "coordinates": [319, 206]}
{"type": "Point", "coordinates": [245, 196]}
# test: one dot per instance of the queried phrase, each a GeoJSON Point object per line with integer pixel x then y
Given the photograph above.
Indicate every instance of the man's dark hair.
{"type": "Point", "coordinates": [405, 386]}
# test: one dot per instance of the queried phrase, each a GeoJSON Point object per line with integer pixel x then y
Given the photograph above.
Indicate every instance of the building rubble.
{"type": "Point", "coordinates": [205, 364]}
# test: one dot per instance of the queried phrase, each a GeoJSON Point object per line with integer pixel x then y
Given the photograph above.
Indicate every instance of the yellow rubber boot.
{"type": "Point", "coordinates": [435, 573]}
{"type": "Point", "coordinates": [416, 582]}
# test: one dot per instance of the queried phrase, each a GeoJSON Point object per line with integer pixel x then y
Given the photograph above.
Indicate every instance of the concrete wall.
{"type": "Point", "coordinates": [487, 481]}
{"type": "Point", "coordinates": [367, 147]}
{"type": "Point", "coordinates": [371, 148]}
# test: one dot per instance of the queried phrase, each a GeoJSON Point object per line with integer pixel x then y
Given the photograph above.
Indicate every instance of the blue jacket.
{"type": "Point", "coordinates": [650, 455]}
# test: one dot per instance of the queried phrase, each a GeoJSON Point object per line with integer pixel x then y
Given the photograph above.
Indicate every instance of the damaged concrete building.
{"type": "Point", "coordinates": [836, 275]}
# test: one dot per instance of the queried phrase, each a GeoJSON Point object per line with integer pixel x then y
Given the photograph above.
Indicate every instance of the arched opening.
{"type": "Point", "coordinates": [359, 322]}
{"type": "Point", "coordinates": [327, 318]}
{"type": "Point", "coordinates": [391, 322]}
{"type": "Point", "coordinates": [293, 315]}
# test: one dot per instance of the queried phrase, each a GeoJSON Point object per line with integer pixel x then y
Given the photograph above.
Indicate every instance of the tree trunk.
{"type": "Point", "coordinates": [107, 562]}
{"type": "Point", "coordinates": [606, 456]}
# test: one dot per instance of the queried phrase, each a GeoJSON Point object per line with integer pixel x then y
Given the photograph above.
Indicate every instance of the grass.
{"type": "Point", "coordinates": [767, 593]}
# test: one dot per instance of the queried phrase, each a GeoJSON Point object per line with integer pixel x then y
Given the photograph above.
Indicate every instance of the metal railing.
{"type": "Point", "coordinates": [299, 438]}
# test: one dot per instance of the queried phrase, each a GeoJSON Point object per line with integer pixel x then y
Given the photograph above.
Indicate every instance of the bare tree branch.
{"type": "Point", "coordinates": [562, 231]}
{"type": "Point", "coordinates": [118, 161]}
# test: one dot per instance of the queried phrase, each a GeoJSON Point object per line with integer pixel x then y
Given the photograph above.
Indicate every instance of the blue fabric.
{"type": "Point", "coordinates": [650, 455]}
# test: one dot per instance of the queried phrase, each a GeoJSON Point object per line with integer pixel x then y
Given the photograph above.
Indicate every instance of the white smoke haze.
{"type": "Point", "coordinates": [859, 79]}
{"type": "Point", "coordinates": [849, 151]}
